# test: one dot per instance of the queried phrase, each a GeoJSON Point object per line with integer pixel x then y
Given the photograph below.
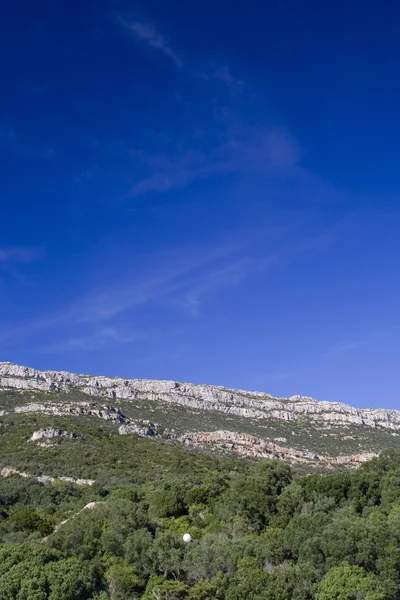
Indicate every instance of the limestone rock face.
{"type": "Point", "coordinates": [67, 394]}
{"type": "Point", "coordinates": [144, 428]}
{"type": "Point", "coordinates": [51, 433]}
{"type": "Point", "coordinates": [255, 447]}
{"type": "Point", "coordinates": [91, 409]}
{"type": "Point", "coordinates": [9, 471]}
{"type": "Point", "coordinates": [254, 405]}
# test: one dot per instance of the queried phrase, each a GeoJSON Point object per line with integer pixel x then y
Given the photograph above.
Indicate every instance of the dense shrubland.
{"type": "Point", "coordinates": [260, 531]}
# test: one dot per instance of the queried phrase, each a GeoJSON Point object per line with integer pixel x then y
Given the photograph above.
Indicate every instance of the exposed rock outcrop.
{"type": "Point", "coordinates": [50, 433]}
{"type": "Point", "coordinates": [143, 428]}
{"type": "Point", "coordinates": [90, 409]}
{"type": "Point", "coordinates": [8, 471]}
{"type": "Point", "coordinates": [254, 405]}
{"type": "Point", "coordinates": [248, 445]}
{"type": "Point", "coordinates": [50, 385]}
{"type": "Point", "coordinates": [89, 506]}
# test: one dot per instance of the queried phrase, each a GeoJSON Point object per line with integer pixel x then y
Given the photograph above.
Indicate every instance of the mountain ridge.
{"type": "Point", "coordinates": [298, 429]}
{"type": "Point", "coordinates": [131, 388]}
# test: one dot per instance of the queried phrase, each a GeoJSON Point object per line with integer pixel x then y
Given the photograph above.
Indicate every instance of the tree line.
{"type": "Point", "coordinates": [261, 531]}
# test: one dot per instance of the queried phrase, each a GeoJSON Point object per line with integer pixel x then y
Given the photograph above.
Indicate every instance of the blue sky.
{"type": "Point", "coordinates": [205, 192]}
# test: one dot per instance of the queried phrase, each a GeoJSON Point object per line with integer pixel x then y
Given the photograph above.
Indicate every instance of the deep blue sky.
{"type": "Point", "coordinates": [203, 191]}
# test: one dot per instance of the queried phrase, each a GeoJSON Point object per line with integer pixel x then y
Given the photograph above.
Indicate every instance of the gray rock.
{"type": "Point", "coordinates": [252, 405]}
{"type": "Point", "coordinates": [51, 433]}
{"type": "Point", "coordinates": [143, 428]}
{"type": "Point", "coordinates": [91, 409]}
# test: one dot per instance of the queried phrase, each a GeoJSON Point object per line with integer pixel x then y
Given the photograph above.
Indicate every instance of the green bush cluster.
{"type": "Point", "coordinates": [261, 531]}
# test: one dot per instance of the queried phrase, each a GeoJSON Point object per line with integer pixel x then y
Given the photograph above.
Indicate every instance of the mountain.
{"type": "Point", "coordinates": [101, 478]}
{"type": "Point", "coordinates": [214, 419]}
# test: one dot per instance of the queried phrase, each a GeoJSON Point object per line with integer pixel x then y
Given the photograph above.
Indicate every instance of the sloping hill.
{"type": "Point", "coordinates": [215, 419]}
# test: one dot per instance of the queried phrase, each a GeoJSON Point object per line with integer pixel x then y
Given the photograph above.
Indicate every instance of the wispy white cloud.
{"type": "Point", "coordinates": [20, 254]}
{"type": "Point", "coordinates": [343, 348]}
{"type": "Point", "coordinates": [183, 281]}
{"type": "Point", "coordinates": [12, 333]}
{"type": "Point", "coordinates": [368, 338]}
{"type": "Point", "coordinates": [224, 75]}
{"type": "Point", "coordinates": [96, 340]}
{"type": "Point", "coordinates": [172, 277]}
{"type": "Point", "coordinates": [13, 259]}
{"type": "Point", "coordinates": [87, 174]}
{"type": "Point", "coordinates": [272, 153]}
{"type": "Point", "coordinates": [147, 33]}
{"type": "Point", "coordinates": [196, 292]}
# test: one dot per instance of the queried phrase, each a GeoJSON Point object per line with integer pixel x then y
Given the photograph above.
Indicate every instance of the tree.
{"type": "Point", "coordinates": [211, 555]}
{"type": "Point", "coordinates": [34, 573]}
{"type": "Point", "coordinates": [348, 582]}
{"type": "Point", "coordinates": [28, 520]}
{"type": "Point", "coordinates": [290, 502]}
{"type": "Point", "coordinates": [204, 590]}
{"type": "Point", "coordinates": [137, 551]}
{"type": "Point", "coordinates": [159, 588]}
{"type": "Point", "coordinates": [167, 503]}
{"type": "Point", "coordinates": [123, 582]}
{"type": "Point", "coordinates": [300, 530]}
{"type": "Point", "coordinates": [166, 554]}
{"type": "Point", "coordinates": [354, 540]}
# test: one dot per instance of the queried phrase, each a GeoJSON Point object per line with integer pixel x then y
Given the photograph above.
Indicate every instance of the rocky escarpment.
{"type": "Point", "coordinates": [252, 405]}
{"type": "Point", "coordinates": [225, 442]}
{"type": "Point", "coordinates": [255, 447]}
{"type": "Point", "coordinates": [78, 409]}
{"type": "Point", "coordinates": [85, 409]}
{"type": "Point", "coordinates": [9, 471]}
{"type": "Point", "coordinates": [202, 417]}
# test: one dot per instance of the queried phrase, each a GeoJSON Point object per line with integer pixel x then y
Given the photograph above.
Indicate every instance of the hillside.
{"type": "Point", "coordinates": [213, 419]}
{"type": "Point", "coordinates": [99, 481]}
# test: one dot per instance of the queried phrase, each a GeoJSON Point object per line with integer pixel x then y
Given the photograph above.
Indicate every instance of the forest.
{"type": "Point", "coordinates": [260, 530]}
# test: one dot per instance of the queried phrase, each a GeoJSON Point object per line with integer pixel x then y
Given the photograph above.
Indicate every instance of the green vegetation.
{"type": "Point", "coordinates": [261, 531]}
{"type": "Point", "coordinates": [301, 434]}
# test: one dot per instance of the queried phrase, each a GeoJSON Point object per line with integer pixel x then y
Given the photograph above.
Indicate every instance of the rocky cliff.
{"type": "Point", "coordinates": [255, 405]}
{"type": "Point", "coordinates": [242, 409]}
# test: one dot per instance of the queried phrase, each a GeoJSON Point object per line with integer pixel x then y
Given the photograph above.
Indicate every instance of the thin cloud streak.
{"type": "Point", "coordinates": [91, 342]}
{"type": "Point", "coordinates": [224, 75]}
{"type": "Point", "coordinates": [146, 32]}
{"type": "Point", "coordinates": [271, 153]}
{"type": "Point", "coordinates": [224, 278]}
{"type": "Point", "coordinates": [165, 284]}
{"type": "Point", "coordinates": [20, 254]}
{"type": "Point", "coordinates": [179, 286]}
{"type": "Point", "coordinates": [14, 258]}
{"type": "Point", "coordinates": [343, 348]}
{"type": "Point", "coordinates": [367, 340]}
{"type": "Point", "coordinates": [104, 305]}
{"type": "Point", "coordinates": [186, 286]}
